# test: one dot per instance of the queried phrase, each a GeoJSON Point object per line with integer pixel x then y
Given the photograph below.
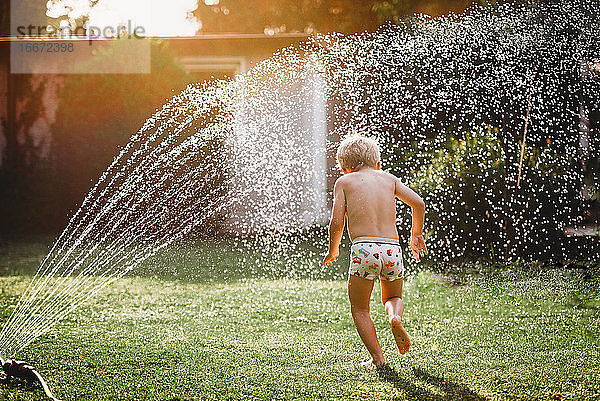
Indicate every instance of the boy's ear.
{"type": "Point", "coordinates": [378, 166]}
{"type": "Point", "coordinates": [346, 171]}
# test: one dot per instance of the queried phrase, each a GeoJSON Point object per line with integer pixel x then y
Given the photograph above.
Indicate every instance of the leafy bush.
{"type": "Point", "coordinates": [461, 187]}
{"type": "Point", "coordinates": [475, 209]}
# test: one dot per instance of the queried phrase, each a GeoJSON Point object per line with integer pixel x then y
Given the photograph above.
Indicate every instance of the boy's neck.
{"type": "Point", "coordinates": [363, 168]}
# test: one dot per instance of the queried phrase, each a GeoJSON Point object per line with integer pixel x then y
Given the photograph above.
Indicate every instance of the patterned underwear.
{"type": "Point", "coordinates": [373, 257]}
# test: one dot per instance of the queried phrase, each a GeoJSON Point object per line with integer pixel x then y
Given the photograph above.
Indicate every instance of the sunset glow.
{"type": "Point", "coordinates": [158, 18]}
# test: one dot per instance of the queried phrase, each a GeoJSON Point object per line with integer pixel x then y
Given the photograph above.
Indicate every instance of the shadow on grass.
{"type": "Point", "coordinates": [443, 389]}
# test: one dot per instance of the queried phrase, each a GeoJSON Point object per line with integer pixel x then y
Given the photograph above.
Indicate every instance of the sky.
{"type": "Point", "coordinates": [158, 17]}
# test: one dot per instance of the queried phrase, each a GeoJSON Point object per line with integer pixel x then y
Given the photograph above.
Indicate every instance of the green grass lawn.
{"type": "Point", "coordinates": [502, 335]}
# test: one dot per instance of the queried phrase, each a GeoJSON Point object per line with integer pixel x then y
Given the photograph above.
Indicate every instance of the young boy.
{"type": "Point", "coordinates": [365, 195]}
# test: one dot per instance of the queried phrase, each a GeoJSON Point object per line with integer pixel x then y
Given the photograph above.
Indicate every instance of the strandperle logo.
{"type": "Point", "coordinates": [85, 49]}
{"type": "Point", "coordinates": [129, 30]}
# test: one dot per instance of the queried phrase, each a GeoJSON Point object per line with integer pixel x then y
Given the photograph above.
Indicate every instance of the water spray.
{"type": "Point", "coordinates": [22, 371]}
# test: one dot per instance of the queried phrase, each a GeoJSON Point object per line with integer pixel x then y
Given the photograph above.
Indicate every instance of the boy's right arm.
{"type": "Point", "coordinates": [410, 197]}
{"type": "Point", "coordinates": [336, 225]}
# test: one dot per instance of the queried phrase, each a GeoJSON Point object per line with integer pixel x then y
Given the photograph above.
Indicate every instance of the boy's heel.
{"type": "Point", "coordinates": [400, 335]}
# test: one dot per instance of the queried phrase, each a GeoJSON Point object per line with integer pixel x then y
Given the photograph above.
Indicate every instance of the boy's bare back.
{"type": "Point", "coordinates": [369, 199]}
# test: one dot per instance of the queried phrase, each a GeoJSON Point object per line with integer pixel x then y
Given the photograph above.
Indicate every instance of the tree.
{"type": "Point", "coordinates": [345, 16]}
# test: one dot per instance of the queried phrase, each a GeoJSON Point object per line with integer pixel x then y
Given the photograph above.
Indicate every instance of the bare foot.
{"type": "Point", "coordinates": [373, 363]}
{"type": "Point", "coordinates": [400, 335]}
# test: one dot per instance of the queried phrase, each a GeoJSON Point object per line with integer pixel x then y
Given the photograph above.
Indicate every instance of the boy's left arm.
{"type": "Point", "coordinates": [336, 225]}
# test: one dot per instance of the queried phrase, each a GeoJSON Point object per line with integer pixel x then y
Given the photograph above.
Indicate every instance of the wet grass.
{"type": "Point", "coordinates": [525, 335]}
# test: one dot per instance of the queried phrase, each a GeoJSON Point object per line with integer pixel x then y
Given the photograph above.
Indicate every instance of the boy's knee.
{"type": "Point", "coordinates": [356, 310]}
{"type": "Point", "coordinates": [384, 300]}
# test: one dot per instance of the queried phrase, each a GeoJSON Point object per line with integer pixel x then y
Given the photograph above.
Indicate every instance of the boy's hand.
{"type": "Point", "coordinates": [417, 244]}
{"type": "Point", "coordinates": [330, 258]}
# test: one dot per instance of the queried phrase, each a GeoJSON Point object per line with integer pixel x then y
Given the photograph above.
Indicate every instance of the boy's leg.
{"type": "Point", "coordinates": [391, 296]}
{"type": "Point", "coordinates": [359, 292]}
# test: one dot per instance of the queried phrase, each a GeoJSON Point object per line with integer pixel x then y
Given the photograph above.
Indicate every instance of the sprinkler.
{"type": "Point", "coordinates": [24, 372]}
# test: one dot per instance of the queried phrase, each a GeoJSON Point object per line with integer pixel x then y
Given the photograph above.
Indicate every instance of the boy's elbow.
{"type": "Point", "coordinates": [419, 204]}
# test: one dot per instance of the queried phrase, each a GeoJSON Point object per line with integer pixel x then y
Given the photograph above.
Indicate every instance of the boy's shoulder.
{"type": "Point", "coordinates": [349, 178]}
{"type": "Point", "coordinates": [344, 180]}
{"type": "Point", "coordinates": [388, 174]}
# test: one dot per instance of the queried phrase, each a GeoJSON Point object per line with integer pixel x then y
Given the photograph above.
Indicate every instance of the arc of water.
{"type": "Point", "coordinates": [40, 284]}
{"type": "Point", "coordinates": [37, 284]}
{"type": "Point", "coordinates": [95, 283]}
{"type": "Point", "coordinates": [114, 246]}
{"type": "Point", "coordinates": [98, 285]}
{"type": "Point", "coordinates": [92, 195]}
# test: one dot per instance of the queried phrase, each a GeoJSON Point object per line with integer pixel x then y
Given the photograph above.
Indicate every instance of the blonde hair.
{"type": "Point", "coordinates": [357, 151]}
